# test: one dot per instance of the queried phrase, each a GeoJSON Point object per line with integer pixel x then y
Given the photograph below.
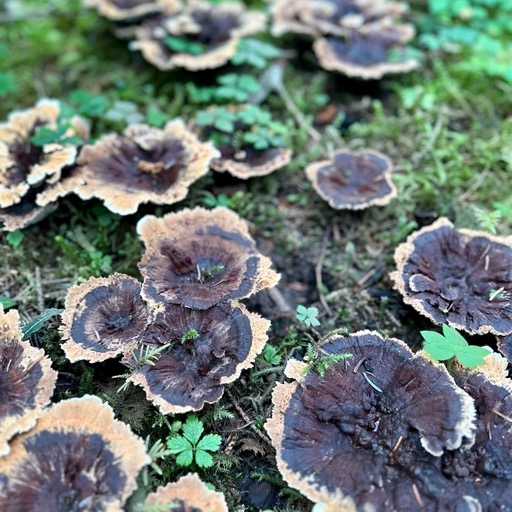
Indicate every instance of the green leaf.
{"type": "Point", "coordinates": [193, 429]}
{"type": "Point", "coordinates": [440, 352]}
{"type": "Point", "coordinates": [210, 442]}
{"type": "Point", "coordinates": [204, 459]}
{"type": "Point", "coordinates": [87, 104]}
{"type": "Point", "coordinates": [454, 338]}
{"type": "Point", "coordinates": [14, 238]}
{"type": "Point", "coordinates": [7, 83]}
{"type": "Point", "coordinates": [472, 356]}
{"type": "Point", "coordinates": [178, 444]}
{"type": "Point", "coordinates": [38, 322]}
{"type": "Point", "coordinates": [6, 303]}
{"type": "Point", "coordinates": [185, 458]}
{"type": "Point", "coordinates": [184, 45]}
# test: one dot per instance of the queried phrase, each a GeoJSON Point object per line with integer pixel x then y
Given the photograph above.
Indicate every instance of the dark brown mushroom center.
{"type": "Point", "coordinates": [129, 4]}
{"type": "Point", "coordinates": [177, 505]}
{"type": "Point", "coordinates": [17, 384]}
{"type": "Point", "coordinates": [216, 26]}
{"type": "Point", "coordinates": [64, 472]}
{"type": "Point", "coordinates": [361, 50]}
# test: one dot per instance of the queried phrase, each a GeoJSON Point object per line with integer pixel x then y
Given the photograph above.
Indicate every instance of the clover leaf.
{"type": "Point", "coordinates": [307, 316]}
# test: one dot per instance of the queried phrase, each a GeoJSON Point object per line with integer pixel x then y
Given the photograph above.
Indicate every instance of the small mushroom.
{"type": "Point", "coordinates": [368, 54]}
{"type": "Point", "coordinates": [201, 257]}
{"type": "Point", "coordinates": [27, 381]}
{"type": "Point", "coordinates": [144, 165]}
{"type": "Point", "coordinates": [359, 436]}
{"type": "Point", "coordinates": [353, 181]}
{"type": "Point", "coordinates": [103, 317]}
{"type": "Point", "coordinates": [504, 344]}
{"type": "Point", "coordinates": [189, 493]}
{"type": "Point", "coordinates": [207, 350]}
{"type": "Point", "coordinates": [78, 457]}
{"type": "Point", "coordinates": [458, 277]}
{"type": "Point", "coordinates": [211, 33]}
{"type": "Point", "coordinates": [128, 10]}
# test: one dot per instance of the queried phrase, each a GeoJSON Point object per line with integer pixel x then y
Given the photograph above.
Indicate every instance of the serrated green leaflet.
{"type": "Point", "coordinates": [203, 459]}
{"type": "Point", "coordinates": [192, 429]}
{"type": "Point", "coordinates": [211, 442]}
{"type": "Point", "coordinates": [185, 458]}
{"type": "Point", "coordinates": [178, 444]}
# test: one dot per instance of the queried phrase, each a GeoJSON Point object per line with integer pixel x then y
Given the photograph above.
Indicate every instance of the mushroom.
{"type": "Point", "coordinates": [206, 350]}
{"type": "Point", "coordinates": [128, 10]}
{"type": "Point", "coordinates": [103, 317]}
{"type": "Point", "coordinates": [457, 277]}
{"type": "Point", "coordinates": [144, 165]}
{"type": "Point", "coordinates": [201, 257]}
{"type": "Point", "coordinates": [353, 181]}
{"type": "Point", "coordinates": [27, 380]}
{"type": "Point", "coordinates": [200, 36]}
{"type": "Point", "coordinates": [369, 434]}
{"type": "Point", "coordinates": [78, 457]}
{"type": "Point", "coordinates": [504, 344]}
{"type": "Point", "coordinates": [368, 54]}
{"type": "Point", "coordinates": [188, 493]}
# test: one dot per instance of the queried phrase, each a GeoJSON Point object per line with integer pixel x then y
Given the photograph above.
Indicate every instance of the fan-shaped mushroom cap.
{"type": "Point", "coordinates": [78, 457]}
{"type": "Point", "coordinates": [209, 348]}
{"type": "Point", "coordinates": [24, 165]}
{"type": "Point", "coordinates": [24, 214]}
{"type": "Point", "coordinates": [218, 27]}
{"type": "Point", "coordinates": [103, 317]}
{"type": "Point", "coordinates": [123, 10]}
{"type": "Point", "coordinates": [27, 380]}
{"type": "Point", "coordinates": [249, 163]}
{"type": "Point", "coordinates": [504, 344]}
{"type": "Point", "coordinates": [189, 493]}
{"type": "Point", "coordinates": [356, 435]}
{"type": "Point", "coordinates": [353, 181]}
{"type": "Point", "coordinates": [366, 54]}
{"type": "Point", "coordinates": [451, 276]}
{"type": "Point", "coordinates": [201, 257]}
{"type": "Point", "coordinates": [144, 165]}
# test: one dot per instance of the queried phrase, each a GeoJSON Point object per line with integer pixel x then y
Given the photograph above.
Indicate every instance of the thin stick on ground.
{"type": "Point", "coordinates": [318, 272]}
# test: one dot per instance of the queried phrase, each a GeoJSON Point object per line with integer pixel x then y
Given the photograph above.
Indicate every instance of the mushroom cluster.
{"type": "Point", "coordinates": [457, 277]}
{"type": "Point", "coordinates": [182, 332]}
{"type": "Point", "coordinates": [390, 430]}
{"type": "Point", "coordinates": [358, 38]}
{"type": "Point", "coordinates": [37, 151]}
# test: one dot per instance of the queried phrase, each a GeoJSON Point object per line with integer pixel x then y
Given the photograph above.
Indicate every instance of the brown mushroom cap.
{"type": "Point", "coordinates": [449, 274]}
{"type": "Point", "coordinates": [125, 10]}
{"type": "Point", "coordinates": [24, 214]}
{"type": "Point", "coordinates": [192, 372]}
{"type": "Point", "coordinates": [366, 54]}
{"type": "Point", "coordinates": [103, 317]}
{"type": "Point", "coordinates": [201, 257]}
{"type": "Point", "coordinates": [218, 27]}
{"type": "Point", "coordinates": [78, 457]}
{"type": "Point", "coordinates": [504, 344]}
{"type": "Point", "coordinates": [27, 381]}
{"type": "Point", "coordinates": [353, 181]}
{"type": "Point", "coordinates": [188, 494]}
{"type": "Point", "coordinates": [357, 435]}
{"type": "Point", "coordinates": [144, 165]}
{"type": "Point", "coordinates": [248, 163]}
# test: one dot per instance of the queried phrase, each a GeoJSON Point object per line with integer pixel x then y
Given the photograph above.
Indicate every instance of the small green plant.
{"type": "Point", "coordinates": [192, 334]}
{"type": "Point", "coordinates": [60, 135]}
{"type": "Point", "coordinates": [231, 87]}
{"type": "Point", "coordinates": [452, 345]}
{"type": "Point", "coordinates": [307, 316]}
{"type": "Point", "coordinates": [38, 322]}
{"type": "Point", "coordinates": [254, 53]}
{"type": "Point", "coordinates": [321, 361]}
{"type": "Point", "coordinates": [271, 356]}
{"type": "Point", "coordinates": [192, 447]}
{"type": "Point", "coordinates": [14, 238]}
{"type": "Point", "coordinates": [488, 220]}
{"type": "Point", "coordinates": [184, 45]}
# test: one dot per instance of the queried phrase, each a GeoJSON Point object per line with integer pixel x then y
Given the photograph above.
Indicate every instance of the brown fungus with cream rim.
{"type": "Point", "coordinates": [367, 55]}
{"type": "Point", "coordinates": [143, 165]}
{"type": "Point", "coordinates": [128, 10]}
{"type": "Point", "coordinates": [353, 181]}
{"type": "Point", "coordinates": [458, 277]}
{"type": "Point", "coordinates": [188, 494]}
{"type": "Point", "coordinates": [204, 36]}
{"type": "Point", "coordinates": [78, 457]}
{"type": "Point", "coordinates": [201, 257]}
{"type": "Point", "coordinates": [207, 350]}
{"type": "Point", "coordinates": [360, 436]}
{"type": "Point", "coordinates": [103, 317]}
{"type": "Point", "coordinates": [27, 380]}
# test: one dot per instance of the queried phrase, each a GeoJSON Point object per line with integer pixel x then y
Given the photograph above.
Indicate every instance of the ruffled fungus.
{"type": "Point", "coordinates": [127, 10]}
{"type": "Point", "coordinates": [189, 493]}
{"type": "Point", "coordinates": [201, 257]}
{"type": "Point", "coordinates": [200, 36]}
{"type": "Point", "coordinates": [353, 181]}
{"type": "Point", "coordinates": [368, 54]}
{"type": "Point", "coordinates": [78, 457]}
{"type": "Point", "coordinates": [358, 436]}
{"type": "Point", "coordinates": [27, 381]}
{"type": "Point", "coordinates": [144, 165]}
{"type": "Point", "coordinates": [207, 349]}
{"type": "Point", "coordinates": [103, 317]}
{"type": "Point", "coordinates": [457, 277]}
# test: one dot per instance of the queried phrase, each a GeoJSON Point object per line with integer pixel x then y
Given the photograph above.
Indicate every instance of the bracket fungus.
{"type": "Point", "coordinates": [353, 181]}
{"type": "Point", "coordinates": [458, 277]}
{"type": "Point", "coordinates": [201, 257]}
{"type": "Point", "coordinates": [103, 317]}
{"type": "Point", "coordinates": [189, 493]}
{"type": "Point", "coordinates": [207, 349]}
{"type": "Point", "coordinates": [143, 165]}
{"type": "Point", "coordinates": [27, 381]}
{"type": "Point", "coordinates": [128, 10]}
{"type": "Point", "coordinates": [78, 457]}
{"type": "Point", "coordinates": [200, 36]}
{"type": "Point", "coordinates": [358, 437]}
